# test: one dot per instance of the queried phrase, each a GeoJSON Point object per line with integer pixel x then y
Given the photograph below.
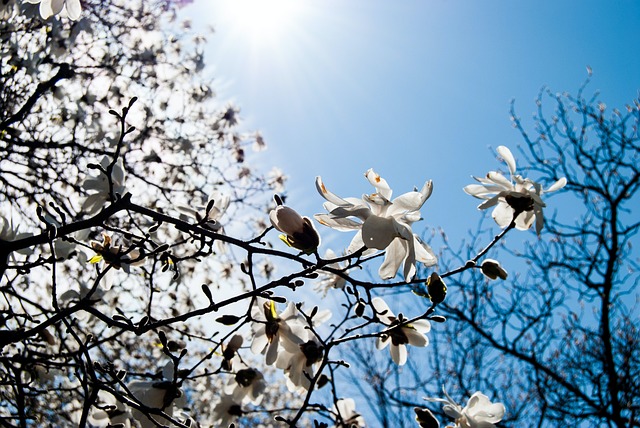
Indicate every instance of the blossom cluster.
{"type": "Point", "coordinates": [290, 340]}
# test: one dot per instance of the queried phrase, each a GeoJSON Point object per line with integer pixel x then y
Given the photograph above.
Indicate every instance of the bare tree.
{"type": "Point", "coordinates": [558, 340]}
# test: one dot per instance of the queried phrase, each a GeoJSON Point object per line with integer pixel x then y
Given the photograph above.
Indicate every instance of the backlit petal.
{"type": "Point", "coordinates": [506, 154]}
{"type": "Point", "coordinates": [399, 354]}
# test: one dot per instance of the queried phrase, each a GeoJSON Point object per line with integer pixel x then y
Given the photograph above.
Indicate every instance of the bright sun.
{"type": "Point", "coordinates": [263, 22]}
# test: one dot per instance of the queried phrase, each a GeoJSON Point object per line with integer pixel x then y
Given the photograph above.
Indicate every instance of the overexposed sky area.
{"type": "Point", "coordinates": [415, 89]}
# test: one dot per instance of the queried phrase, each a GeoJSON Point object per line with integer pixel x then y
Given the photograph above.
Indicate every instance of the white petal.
{"type": "Point", "coordinates": [73, 9]}
{"type": "Point", "coordinates": [505, 153]}
{"type": "Point", "coordinates": [395, 254]}
{"type": "Point", "coordinates": [379, 183]}
{"type": "Point", "coordinates": [399, 354]}
{"type": "Point", "coordinates": [557, 185]}
{"type": "Point", "coordinates": [489, 203]}
{"type": "Point", "coordinates": [424, 253]}
{"type": "Point", "coordinates": [500, 180]}
{"type": "Point", "coordinates": [45, 9]}
{"type": "Point", "coordinates": [356, 243]}
{"type": "Point", "coordinates": [503, 215]}
{"type": "Point", "coordinates": [272, 352]}
{"type": "Point", "coordinates": [328, 195]}
{"type": "Point", "coordinates": [260, 340]}
{"type": "Point", "coordinates": [421, 326]}
{"type": "Point", "coordinates": [476, 190]}
{"type": "Point", "coordinates": [337, 223]}
{"type": "Point", "coordinates": [382, 343]}
{"type": "Point", "coordinates": [415, 338]}
{"type": "Point", "coordinates": [56, 6]}
{"type": "Point", "coordinates": [525, 220]}
{"type": "Point", "coordinates": [381, 307]}
{"type": "Point", "coordinates": [410, 261]}
{"type": "Point", "coordinates": [411, 201]}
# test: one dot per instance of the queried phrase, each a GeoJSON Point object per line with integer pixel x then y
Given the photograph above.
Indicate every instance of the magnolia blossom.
{"type": "Point", "coordinates": [9, 232]}
{"type": "Point", "coordinates": [109, 411]}
{"type": "Point", "coordinates": [209, 216]}
{"type": "Point", "coordinates": [100, 185]}
{"type": "Point", "coordinates": [247, 385]}
{"type": "Point", "coordinates": [162, 395]}
{"type": "Point", "coordinates": [226, 411]}
{"type": "Point", "coordinates": [68, 8]}
{"type": "Point", "coordinates": [298, 231]}
{"type": "Point", "coordinates": [154, 395]}
{"type": "Point", "coordinates": [71, 295]}
{"type": "Point", "coordinates": [517, 199]}
{"type": "Point", "coordinates": [398, 336]}
{"type": "Point", "coordinates": [114, 254]}
{"type": "Point", "coordinates": [299, 361]}
{"type": "Point", "coordinates": [479, 412]}
{"type": "Point", "coordinates": [272, 331]}
{"type": "Point", "coordinates": [382, 224]}
{"type": "Point", "coordinates": [346, 408]}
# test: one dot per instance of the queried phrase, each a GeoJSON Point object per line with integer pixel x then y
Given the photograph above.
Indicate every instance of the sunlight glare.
{"type": "Point", "coordinates": [264, 22]}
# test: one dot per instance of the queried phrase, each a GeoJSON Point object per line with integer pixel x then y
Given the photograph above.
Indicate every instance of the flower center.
{"type": "Point", "coordinates": [520, 203]}
{"type": "Point", "coordinates": [246, 377]}
{"type": "Point", "coordinates": [312, 351]}
{"type": "Point", "coordinates": [235, 410]}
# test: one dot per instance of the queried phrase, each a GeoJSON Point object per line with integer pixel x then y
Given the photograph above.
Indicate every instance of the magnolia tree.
{"type": "Point", "coordinates": [137, 279]}
{"type": "Point", "coordinates": [559, 341]}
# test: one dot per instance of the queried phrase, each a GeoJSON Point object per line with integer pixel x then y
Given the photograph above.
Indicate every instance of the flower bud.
{"type": "Point", "coordinates": [492, 269]}
{"type": "Point", "coordinates": [436, 288]}
{"type": "Point", "coordinates": [298, 231]}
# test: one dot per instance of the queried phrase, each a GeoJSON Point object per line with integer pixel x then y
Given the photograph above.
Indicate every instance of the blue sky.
{"type": "Point", "coordinates": [415, 89]}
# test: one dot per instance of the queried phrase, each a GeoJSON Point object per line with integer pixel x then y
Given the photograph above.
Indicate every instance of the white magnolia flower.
{"type": "Point", "coordinates": [115, 254]}
{"type": "Point", "coordinates": [346, 408]}
{"type": "Point", "coordinates": [272, 331]}
{"type": "Point", "coordinates": [209, 216]}
{"type": "Point", "coordinates": [382, 224]}
{"type": "Point", "coordinates": [109, 411]}
{"type": "Point", "coordinates": [298, 231]}
{"type": "Point", "coordinates": [9, 232]}
{"type": "Point", "coordinates": [68, 8]}
{"type": "Point", "coordinates": [247, 384]}
{"type": "Point", "coordinates": [519, 197]}
{"type": "Point", "coordinates": [73, 295]}
{"type": "Point", "coordinates": [328, 279]}
{"type": "Point", "coordinates": [399, 336]}
{"type": "Point", "coordinates": [479, 412]}
{"type": "Point", "coordinates": [226, 411]}
{"type": "Point", "coordinates": [100, 184]}
{"type": "Point", "coordinates": [161, 395]}
{"type": "Point", "coordinates": [300, 361]}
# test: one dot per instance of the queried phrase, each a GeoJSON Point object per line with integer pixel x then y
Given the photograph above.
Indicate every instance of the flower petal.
{"type": "Point", "coordinates": [337, 223]}
{"type": "Point", "coordinates": [379, 183]}
{"type": "Point", "coordinates": [506, 154]}
{"type": "Point", "coordinates": [381, 307]}
{"type": "Point", "coordinates": [328, 195]}
{"type": "Point", "coordinates": [557, 185]}
{"type": "Point", "coordinates": [73, 9]}
{"type": "Point", "coordinates": [395, 254]}
{"type": "Point", "coordinates": [503, 215]}
{"type": "Point", "coordinates": [398, 354]}
{"type": "Point", "coordinates": [415, 338]}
